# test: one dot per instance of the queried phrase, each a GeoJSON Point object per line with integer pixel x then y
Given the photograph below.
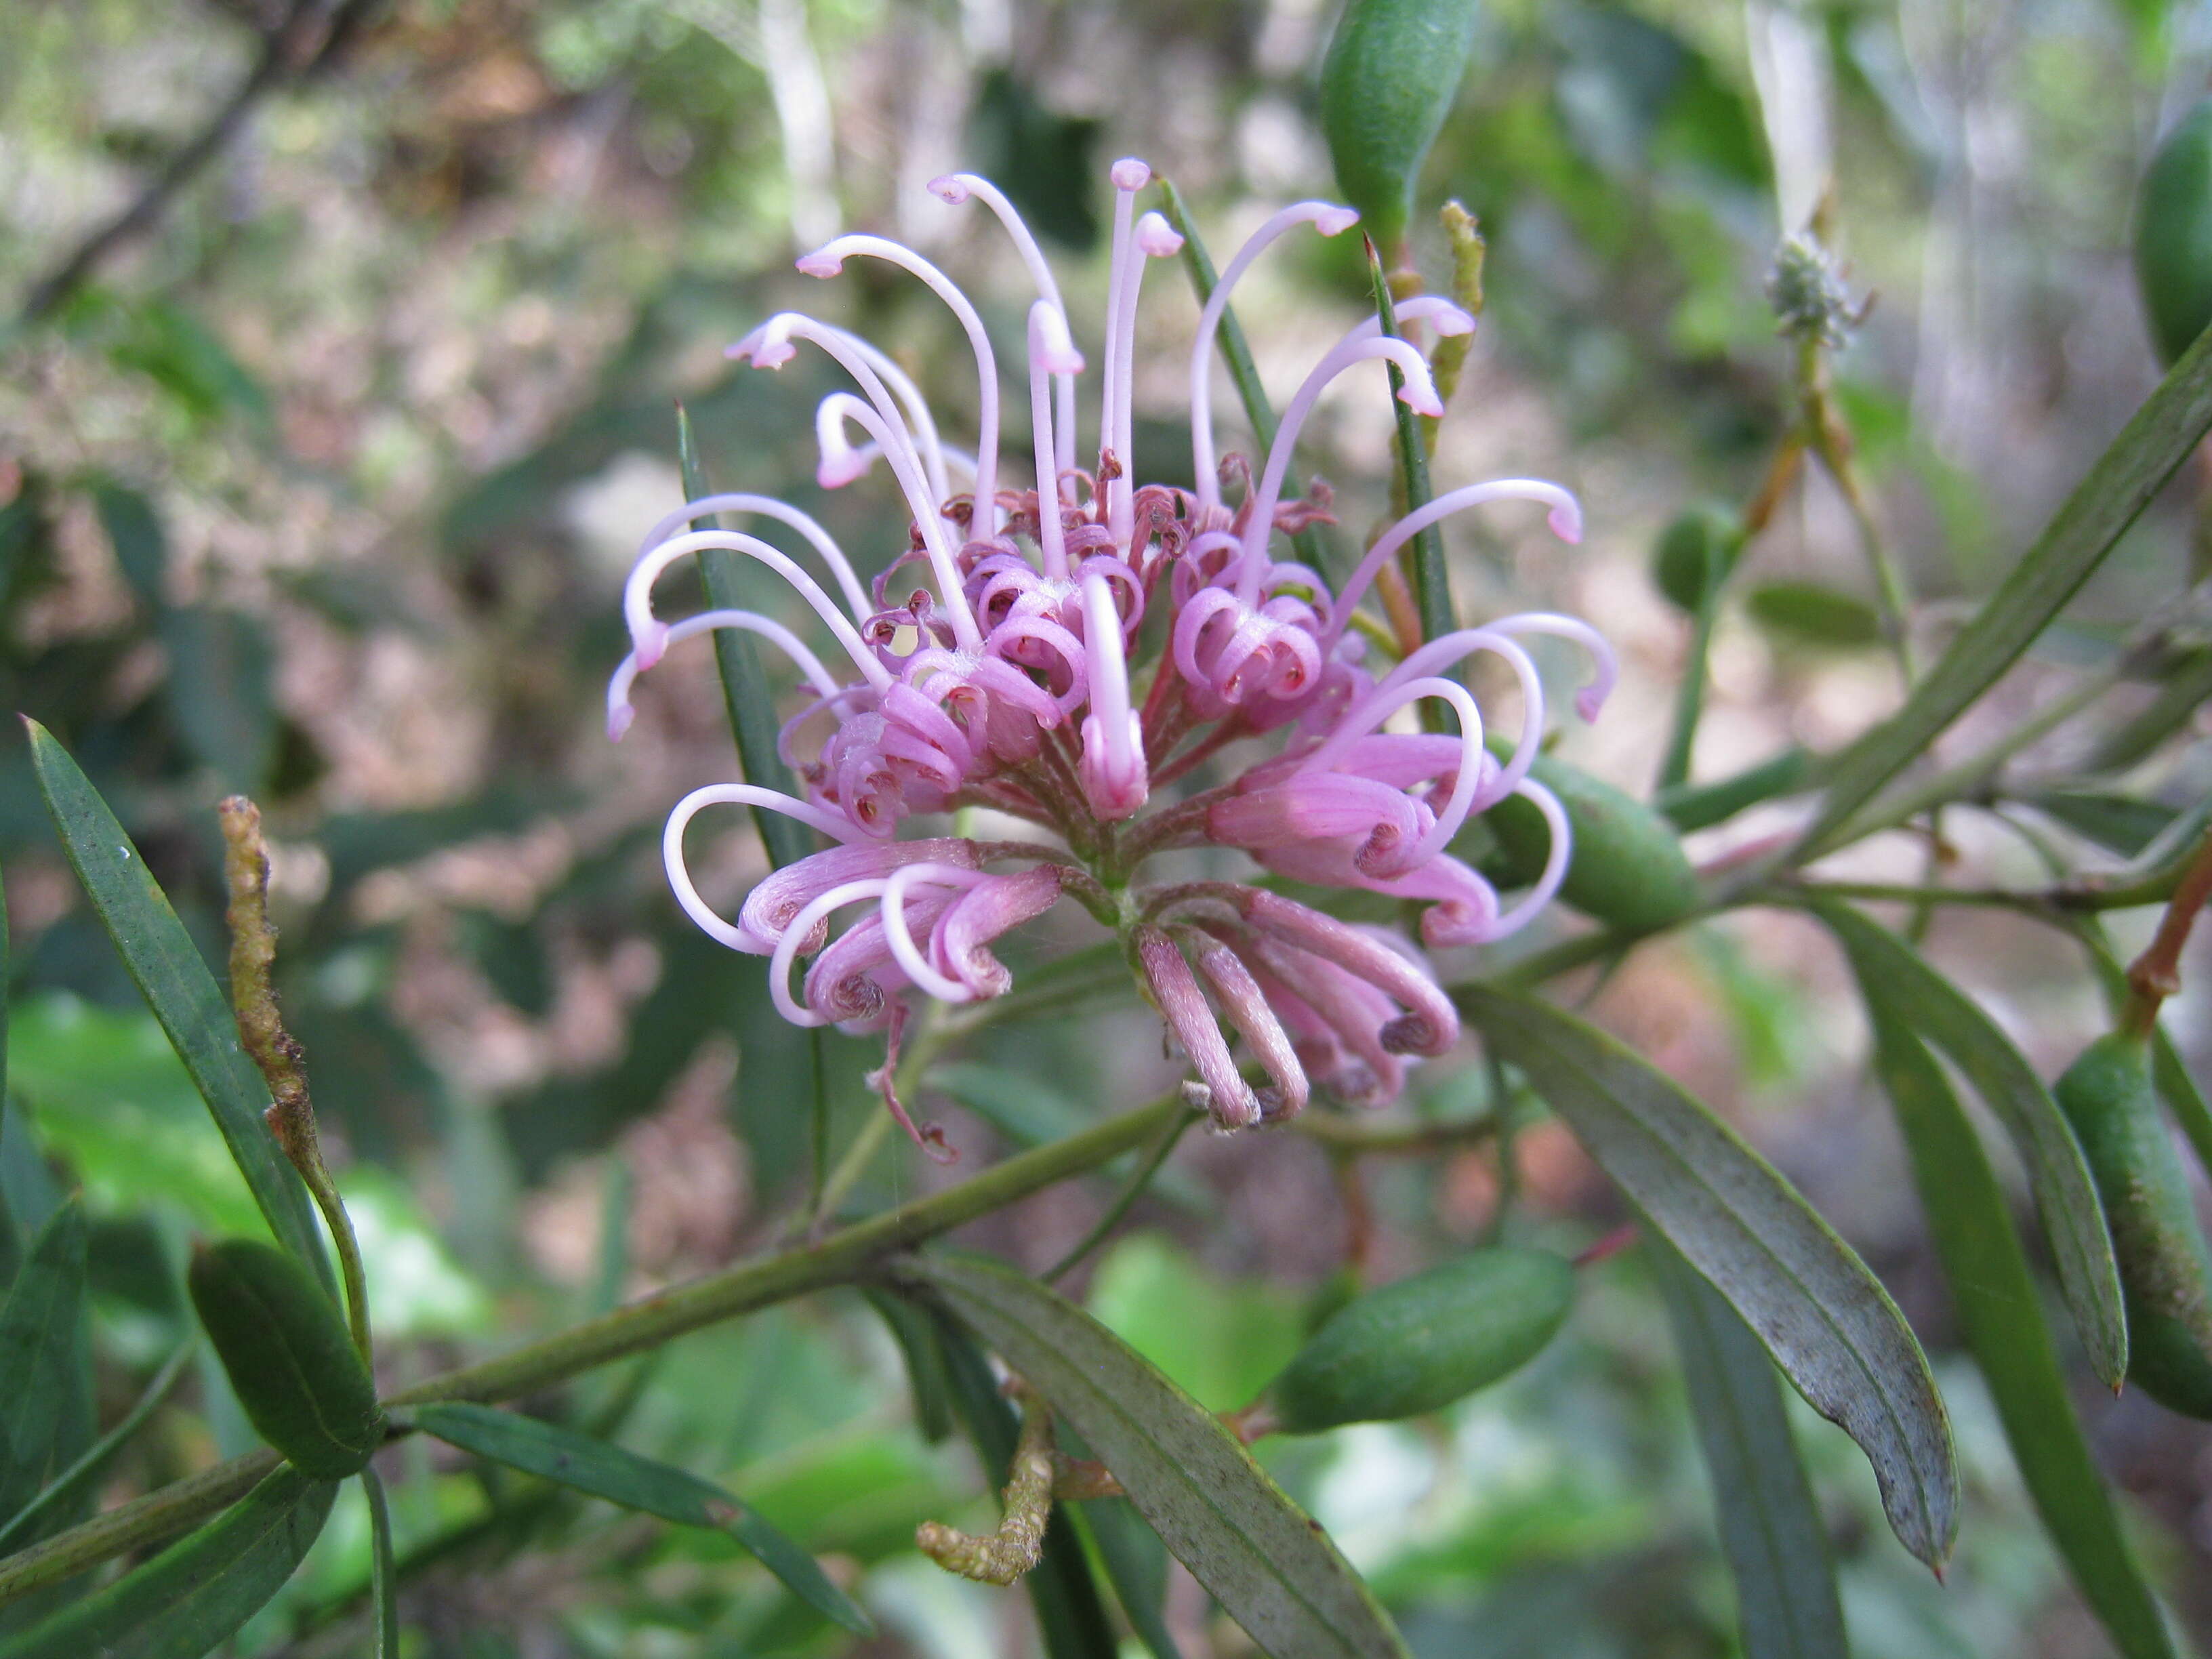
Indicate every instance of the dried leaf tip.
{"type": "Point", "coordinates": [253, 953]}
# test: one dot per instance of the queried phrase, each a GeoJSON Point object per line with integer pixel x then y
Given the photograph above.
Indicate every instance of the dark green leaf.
{"type": "Point", "coordinates": [1892, 975]}
{"type": "Point", "coordinates": [1277, 1574]}
{"type": "Point", "coordinates": [79, 1480]}
{"type": "Point", "coordinates": [1061, 1589]}
{"type": "Point", "coordinates": [43, 1378]}
{"type": "Point", "coordinates": [194, 1595]}
{"type": "Point", "coordinates": [638, 1483]}
{"type": "Point", "coordinates": [1136, 1563]}
{"type": "Point", "coordinates": [177, 986]}
{"type": "Point", "coordinates": [1825, 1318]}
{"type": "Point", "coordinates": [383, 1570]}
{"type": "Point", "coordinates": [1785, 1583]}
{"type": "Point", "coordinates": [26, 1186]}
{"type": "Point", "coordinates": [744, 684]}
{"type": "Point", "coordinates": [916, 1333]}
{"type": "Point", "coordinates": [2168, 426]}
{"type": "Point", "coordinates": [1808, 614]}
{"type": "Point", "coordinates": [218, 685]}
{"type": "Point", "coordinates": [2002, 1319]}
{"type": "Point", "coordinates": [134, 529]}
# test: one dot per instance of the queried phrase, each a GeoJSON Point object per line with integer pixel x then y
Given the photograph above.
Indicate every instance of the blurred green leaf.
{"type": "Point", "coordinates": [1805, 613]}
{"type": "Point", "coordinates": [623, 1477]}
{"type": "Point", "coordinates": [1825, 1318]}
{"type": "Point", "coordinates": [1894, 975]}
{"type": "Point", "coordinates": [218, 688]}
{"type": "Point", "coordinates": [134, 530]}
{"type": "Point", "coordinates": [2119, 484]}
{"type": "Point", "coordinates": [2119, 823]}
{"type": "Point", "coordinates": [2183, 689]}
{"type": "Point", "coordinates": [1274, 1571]}
{"type": "Point", "coordinates": [1770, 1522]}
{"type": "Point", "coordinates": [1061, 1588]}
{"type": "Point", "coordinates": [177, 986]}
{"type": "Point", "coordinates": [2002, 1319]}
{"type": "Point", "coordinates": [42, 1376]}
{"type": "Point", "coordinates": [194, 1595]}
{"type": "Point", "coordinates": [1027, 1110]}
{"type": "Point", "coordinates": [1218, 1339]}
{"type": "Point", "coordinates": [80, 1479]}
{"type": "Point", "coordinates": [28, 1193]}
{"type": "Point", "coordinates": [1040, 157]}
{"type": "Point", "coordinates": [1696, 806]}
{"type": "Point", "coordinates": [1136, 1563]}
{"type": "Point", "coordinates": [187, 360]}
{"type": "Point", "coordinates": [383, 1570]}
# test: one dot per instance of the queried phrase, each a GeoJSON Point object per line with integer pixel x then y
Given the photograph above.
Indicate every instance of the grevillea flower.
{"type": "Point", "coordinates": [989, 664]}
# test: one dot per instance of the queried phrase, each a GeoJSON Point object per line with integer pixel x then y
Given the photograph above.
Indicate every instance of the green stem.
{"type": "Point", "coordinates": [1689, 696]}
{"type": "Point", "coordinates": [1130, 1191]}
{"type": "Point", "coordinates": [1432, 586]}
{"type": "Point", "coordinates": [842, 1258]}
{"type": "Point", "coordinates": [1237, 354]}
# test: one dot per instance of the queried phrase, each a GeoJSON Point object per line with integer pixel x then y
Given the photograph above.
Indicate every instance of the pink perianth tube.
{"type": "Point", "coordinates": [841, 567]}
{"type": "Point", "coordinates": [832, 824]}
{"type": "Point", "coordinates": [650, 634]}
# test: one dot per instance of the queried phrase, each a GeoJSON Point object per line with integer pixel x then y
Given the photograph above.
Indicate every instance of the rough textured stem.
{"type": "Point", "coordinates": [291, 1117]}
{"type": "Point", "coordinates": [841, 1257]}
{"type": "Point", "coordinates": [1002, 1556]}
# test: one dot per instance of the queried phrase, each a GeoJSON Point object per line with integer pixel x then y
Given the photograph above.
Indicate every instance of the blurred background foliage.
{"type": "Point", "coordinates": [321, 483]}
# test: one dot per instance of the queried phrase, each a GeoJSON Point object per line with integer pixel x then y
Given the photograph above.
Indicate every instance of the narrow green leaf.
{"type": "Point", "coordinates": [2161, 434]}
{"type": "Point", "coordinates": [1431, 583]}
{"type": "Point", "coordinates": [1069, 1613]}
{"type": "Point", "coordinates": [180, 991]}
{"type": "Point", "coordinates": [219, 692]}
{"type": "Point", "coordinates": [1827, 1319]}
{"type": "Point", "coordinates": [1695, 807]}
{"type": "Point", "coordinates": [1894, 975]}
{"type": "Point", "coordinates": [196, 1594]}
{"type": "Point", "coordinates": [916, 1333]}
{"type": "Point", "coordinates": [744, 686]}
{"type": "Point", "coordinates": [623, 1477]}
{"type": "Point", "coordinates": [78, 1480]}
{"type": "Point", "coordinates": [42, 1337]}
{"type": "Point", "coordinates": [1236, 354]}
{"type": "Point", "coordinates": [1770, 1522]}
{"type": "Point", "coordinates": [2000, 1317]}
{"type": "Point", "coordinates": [134, 530]}
{"type": "Point", "coordinates": [1136, 1563]}
{"type": "Point", "coordinates": [2119, 823]}
{"type": "Point", "coordinates": [383, 1570]}
{"type": "Point", "coordinates": [1274, 1571]}
{"type": "Point", "coordinates": [11, 1243]}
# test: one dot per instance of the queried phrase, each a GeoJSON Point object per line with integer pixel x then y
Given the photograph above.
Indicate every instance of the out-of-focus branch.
{"type": "Point", "coordinates": [312, 38]}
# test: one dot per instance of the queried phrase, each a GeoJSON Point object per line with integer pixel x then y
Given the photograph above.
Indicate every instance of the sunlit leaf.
{"type": "Point", "coordinates": [1890, 973]}
{"type": "Point", "coordinates": [183, 996]}
{"type": "Point", "coordinates": [2001, 1316]}
{"type": "Point", "coordinates": [2118, 485]}
{"type": "Point", "coordinates": [623, 1477]}
{"type": "Point", "coordinates": [195, 1595]}
{"type": "Point", "coordinates": [1770, 1522]}
{"type": "Point", "coordinates": [1825, 1318]}
{"type": "Point", "coordinates": [1274, 1571]}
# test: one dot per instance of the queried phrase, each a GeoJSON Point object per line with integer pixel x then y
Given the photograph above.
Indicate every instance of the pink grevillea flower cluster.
{"type": "Point", "coordinates": [989, 665]}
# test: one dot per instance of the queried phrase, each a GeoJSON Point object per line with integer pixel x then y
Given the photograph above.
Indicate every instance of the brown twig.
{"type": "Point", "coordinates": [2156, 974]}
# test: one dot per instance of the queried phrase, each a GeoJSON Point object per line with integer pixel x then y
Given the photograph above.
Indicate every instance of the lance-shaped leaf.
{"type": "Point", "coordinates": [43, 1380]}
{"type": "Point", "coordinates": [638, 1483]}
{"type": "Point", "coordinates": [1894, 976]}
{"type": "Point", "coordinates": [2002, 1319]}
{"type": "Point", "coordinates": [76, 1485]}
{"type": "Point", "coordinates": [179, 988]}
{"type": "Point", "coordinates": [383, 1570]}
{"type": "Point", "coordinates": [1770, 1522]}
{"type": "Point", "coordinates": [1273, 1569]}
{"type": "Point", "coordinates": [1825, 1318]}
{"type": "Point", "coordinates": [2119, 485]}
{"type": "Point", "coordinates": [195, 1595]}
